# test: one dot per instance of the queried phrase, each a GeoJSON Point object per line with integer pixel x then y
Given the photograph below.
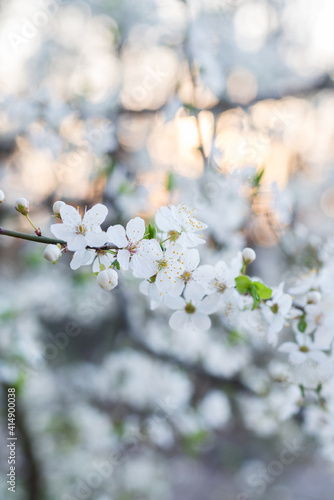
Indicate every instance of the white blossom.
{"type": "Point", "coordinates": [248, 255]}
{"type": "Point", "coordinates": [135, 252]}
{"type": "Point", "coordinates": [82, 258]}
{"type": "Point", "coordinates": [52, 253]}
{"type": "Point", "coordinates": [180, 223]}
{"type": "Point", "coordinates": [192, 311]}
{"type": "Point", "coordinates": [57, 206]}
{"type": "Point", "coordinates": [80, 232]}
{"type": "Point", "coordinates": [191, 274]}
{"type": "Point", "coordinates": [303, 349]}
{"type": "Point", "coordinates": [107, 279]}
{"type": "Point", "coordinates": [216, 279]}
{"type": "Point", "coordinates": [275, 311]}
{"type": "Point", "coordinates": [170, 267]}
{"type": "Point", "coordinates": [22, 206]}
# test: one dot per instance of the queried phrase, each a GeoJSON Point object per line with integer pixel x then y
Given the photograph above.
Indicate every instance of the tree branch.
{"type": "Point", "coordinates": [30, 237]}
{"type": "Point", "coordinates": [46, 240]}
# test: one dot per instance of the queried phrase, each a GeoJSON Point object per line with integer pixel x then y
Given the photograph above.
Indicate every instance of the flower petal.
{"type": "Point", "coordinates": [150, 249]}
{"type": "Point", "coordinates": [164, 281]}
{"type": "Point", "coordinates": [61, 231]}
{"type": "Point", "coordinates": [209, 305]}
{"type": "Point", "coordinates": [288, 347]}
{"type": "Point", "coordinates": [82, 258]}
{"type": "Point", "coordinates": [175, 302]}
{"type": "Point", "coordinates": [96, 239]}
{"type": "Point", "coordinates": [123, 257]}
{"type": "Point", "coordinates": [178, 320]}
{"type": "Point", "coordinates": [76, 242]}
{"type": "Point", "coordinates": [70, 215]}
{"type": "Point", "coordinates": [95, 215]}
{"type": "Point", "coordinates": [200, 321]}
{"type": "Point", "coordinates": [191, 259]}
{"type": "Point", "coordinates": [135, 229]}
{"type": "Point", "coordinates": [298, 357]}
{"type": "Point", "coordinates": [143, 268]}
{"type": "Point", "coordinates": [194, 293]}
{"type": "Point", "coordinates": [165, 221]}
{"type": "Point", "coordinates": [116, 235]}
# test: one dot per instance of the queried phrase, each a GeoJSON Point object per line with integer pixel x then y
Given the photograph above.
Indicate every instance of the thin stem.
{"type": "Point", "coordinates": [44, 239]}
{"type": "Point", "coordinates": [30, 237]}
{"type": "Point", "coordinates": [33, 225]}
{"type": "Point", "coordinates": [162, 242]}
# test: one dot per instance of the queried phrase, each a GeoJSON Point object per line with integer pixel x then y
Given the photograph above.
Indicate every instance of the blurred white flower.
{"type": "Point", "coordinates": [303, 350]}
{"type": "Point", "coordinates": [193, 310]}
{"type": "Point", "coordinates": [215, 409]}
{"type": "Point", "coordinates": [275, 311]}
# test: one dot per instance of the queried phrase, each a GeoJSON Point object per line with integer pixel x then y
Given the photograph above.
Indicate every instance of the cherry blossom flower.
{"type": "Point", "coordinates": [192, 311]}
{"type": "Point", "coordinates": [302, 350]}
{"type": "Point", "coordinates": [52, 253]}
{"type": "Point", "coordinates": [107, 279]}
{"type": "Point", "coordinates": [80, 232]}
{"type": "Point", "coordinates": [179, 223]}
{"type": "Point", "coordinates": [100, 259]}
{"type": "Point", "coordinates": [82, 258]}
{"type": "Point", "coordinates": [216, 279]}
{"type": "Point", "coordinates": [248, 255]}
{"type": "Point", "coordinates": [56, 208]}
{"type": "Point", "coordinates": [22, 206]}
{"type": "Point", "coordinates": [139, 254]}
{"type": "Point", "coordinates": [275, 312]}
{"type": "Point", "coordinates": [190, 275]}
{"type": "Point", "coordinates": [170, 267]}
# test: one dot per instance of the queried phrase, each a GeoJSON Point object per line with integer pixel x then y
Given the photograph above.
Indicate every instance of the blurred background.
{"type": "Point", "coordinates": [226, 105]}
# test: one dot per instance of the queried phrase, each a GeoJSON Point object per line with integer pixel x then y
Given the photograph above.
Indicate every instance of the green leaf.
{"type": "Point", "coordinates": [243, 284]}
{"type": "Point", "coordinates": [234, 337]}
{"type": "Point", "coordinates": [255, 295]}
{"type": "Point", "coordinates": [193, 111]}
{"type": "Point", "coordinates": [302, 325]}
{"type": "Point", "coordinates": [116, 264]}
{"type": "Point", "coordinates": [257, 178]}
{"type": "Point", "coordinates": [193, 442]}
{"type": "Point", "coordinates": [263, 291]}
{"type": "Point", "coordinates": [170, 182]}
{"type": "Point", "coordinates": [151, 232]}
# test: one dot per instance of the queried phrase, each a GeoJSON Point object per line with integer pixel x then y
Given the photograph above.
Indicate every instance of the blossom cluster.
{"type": "Point", "coordinates": [165, 256]}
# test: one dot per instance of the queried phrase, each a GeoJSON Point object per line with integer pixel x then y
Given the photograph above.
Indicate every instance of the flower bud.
{"type": "Point", "coordinates": [2, 196]}
{"type": "Point", "coordinates": [313, 297]}
{"type": "Point", "coordinates": [22, 206]}
{"type": "Point", "coordinates": [52, 253]}
{"type": "Point", "coordinates": [56, 207]}
{"type": "Point", "coordinates": [248, 255]}
{"type": "Point", "coordinates": [107, 279]}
